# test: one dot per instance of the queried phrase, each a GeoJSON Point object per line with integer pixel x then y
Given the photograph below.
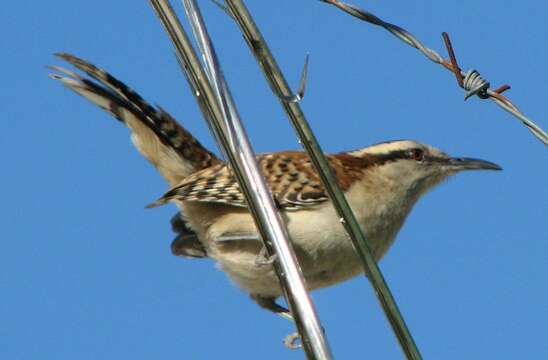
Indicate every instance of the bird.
{"type": "Point", "coordinates": [382, 183]}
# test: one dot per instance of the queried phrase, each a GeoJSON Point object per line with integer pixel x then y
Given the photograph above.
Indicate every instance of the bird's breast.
{"type": "Point", "coordinates": [325, 252]}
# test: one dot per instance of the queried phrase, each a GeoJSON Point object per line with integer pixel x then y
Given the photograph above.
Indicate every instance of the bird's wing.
{"type": "Point", "coordinates": [290, 176]}
{"type": "Point", "coordinates": [156, 134]}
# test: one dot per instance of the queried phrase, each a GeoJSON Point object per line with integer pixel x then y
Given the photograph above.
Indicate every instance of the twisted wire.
{"type": "Point", "coordinates": [471, 81]}
{"type": "Point", "coordinates": [474, 84]}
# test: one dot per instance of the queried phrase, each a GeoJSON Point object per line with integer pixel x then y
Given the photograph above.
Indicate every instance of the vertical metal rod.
{"type": "Point", "coordinates": [279, 85]}
{"type": "Point", "coordinates": [236, 145]}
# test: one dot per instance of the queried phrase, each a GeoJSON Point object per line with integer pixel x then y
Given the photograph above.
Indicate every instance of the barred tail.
{"type": "Point", "coordinates": [156, 134]}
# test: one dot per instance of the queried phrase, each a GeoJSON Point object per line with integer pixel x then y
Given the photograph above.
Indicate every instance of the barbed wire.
{"type": "Point", "coordinates": [470, 81]}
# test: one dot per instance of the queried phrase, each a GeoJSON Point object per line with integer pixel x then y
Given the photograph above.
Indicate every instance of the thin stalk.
{"type": "Point", "coordinates": [279, 85]}
{"type": "Point", "coordinates": [220, 112]}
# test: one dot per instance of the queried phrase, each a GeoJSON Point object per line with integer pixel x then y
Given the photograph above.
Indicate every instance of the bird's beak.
{"type": "Point", "coordinates": [459, 164]}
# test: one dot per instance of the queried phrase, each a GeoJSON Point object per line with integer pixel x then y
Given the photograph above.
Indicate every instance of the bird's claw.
{"type": "Point", "coordinates": [263, 260]}
{"type": "Point", "coordinates": [293, 341]}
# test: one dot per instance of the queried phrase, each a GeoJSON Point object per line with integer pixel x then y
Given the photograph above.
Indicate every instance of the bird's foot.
{"type": "Point", "coordinates": [293, 341]}
{"type": "Point", "coordinates": [263, 259]}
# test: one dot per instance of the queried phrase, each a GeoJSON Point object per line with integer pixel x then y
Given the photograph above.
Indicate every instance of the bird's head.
{"type": "Point", "coordinates": [416, 167]}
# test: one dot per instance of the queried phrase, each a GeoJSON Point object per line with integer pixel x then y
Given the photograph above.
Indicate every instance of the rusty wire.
{"type": "Point", "coordinates": [470, 81]}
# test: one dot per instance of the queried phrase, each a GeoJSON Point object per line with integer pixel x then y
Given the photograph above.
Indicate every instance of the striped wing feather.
{"type": "Point", "coordinates": [290, 176]}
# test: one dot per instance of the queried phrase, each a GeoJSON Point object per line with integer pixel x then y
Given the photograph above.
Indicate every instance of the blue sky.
{"type": "Point", "coordinates": [86, 271]}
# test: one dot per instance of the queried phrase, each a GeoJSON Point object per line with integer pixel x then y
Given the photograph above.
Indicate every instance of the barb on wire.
{"type": "Point", "coordinates": [299, 95]}
{"type": "Point", "coordinates": [470, 81]}
{"type": "Point", "coordinates": [456, 69]}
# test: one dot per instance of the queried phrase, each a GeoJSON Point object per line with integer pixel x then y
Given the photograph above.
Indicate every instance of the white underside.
{"type": "Point", "coordinates": [324, 250]}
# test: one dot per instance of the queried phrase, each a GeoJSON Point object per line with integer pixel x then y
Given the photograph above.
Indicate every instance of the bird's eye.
{"type": "Point", "coordinates": [416, 154]}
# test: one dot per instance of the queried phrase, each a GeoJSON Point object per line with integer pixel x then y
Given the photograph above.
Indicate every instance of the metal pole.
{"type": "Point", "coordinates": [236, 145]}
{"type": "Point", "coordinates": [279, 85]}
